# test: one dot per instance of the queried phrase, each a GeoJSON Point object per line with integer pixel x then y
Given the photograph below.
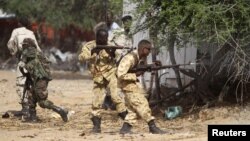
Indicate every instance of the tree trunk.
{"type": "Point", "coordinates": [171, 42]}
{"type": "Point", "coordinates": [156, 76]}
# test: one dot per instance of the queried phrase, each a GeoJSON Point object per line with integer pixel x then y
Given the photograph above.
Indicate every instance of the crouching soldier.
{"type": "Point", "coordinates": [35, 67]}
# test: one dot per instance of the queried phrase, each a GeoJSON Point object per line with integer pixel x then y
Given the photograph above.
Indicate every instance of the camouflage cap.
{"type": "Point", "coordinates": [127, 17]}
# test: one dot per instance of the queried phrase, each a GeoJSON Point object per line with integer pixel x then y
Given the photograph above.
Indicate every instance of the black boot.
{"type": "Point", "coordinates": [154, 129]}
{"type": "Point", "coordinates": [63, 113]}
{"type": "Point", "coordinates": [123, 114]}
{"type": "Point", "coordinates": [33, 116]}
{"type": "Point", "coordinates": [97, 124]}
{"type": "Point", "coordinates": [25, 109]}
{"type": "Point", "coordinates": [30, 116]}
{"type": "Point", "coordinates": [126, 128]}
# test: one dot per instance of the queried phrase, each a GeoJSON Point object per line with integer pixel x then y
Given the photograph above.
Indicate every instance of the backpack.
{"type": "Point", "coordinates": [37, 64]}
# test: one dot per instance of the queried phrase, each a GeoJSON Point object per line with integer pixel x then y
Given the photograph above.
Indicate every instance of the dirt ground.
{"type": "Point", "coordinates": [73, 91]}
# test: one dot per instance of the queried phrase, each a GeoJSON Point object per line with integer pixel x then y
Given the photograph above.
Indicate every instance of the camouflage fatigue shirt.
{"type": "Point", "coordinates": [120, 38]}
{"type": "Point", "coordinates": [36, 64]}
{"type": "Point", "coordinates": [127, 81]}
{"type": "Point", "coordinates": [100, 65]}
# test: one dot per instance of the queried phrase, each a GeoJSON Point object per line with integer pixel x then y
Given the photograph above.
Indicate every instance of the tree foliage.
{"type": "Point", "coordinates": [217, 21]}
{"type": "Point", "coordinates": [60, 13]}
{"type": "Point", "coordinates": [221, 23]}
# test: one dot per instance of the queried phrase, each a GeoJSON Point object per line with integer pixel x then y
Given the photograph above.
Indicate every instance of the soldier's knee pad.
{"type": "Point", "coordinates": [45, 104]}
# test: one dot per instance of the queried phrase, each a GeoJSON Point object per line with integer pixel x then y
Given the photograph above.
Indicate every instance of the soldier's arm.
{"type": "Point", "coordinates": [13, 35]}
{"type": "Point", "coordinates": [126, 63]}
{"type": "Point", "coordinates": [85, 54]}
{"type": "Point", "coordinates": [12, 44]}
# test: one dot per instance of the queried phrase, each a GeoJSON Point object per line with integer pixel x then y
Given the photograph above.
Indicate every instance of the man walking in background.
{"type": "Point", "coordinates": [122, 36]}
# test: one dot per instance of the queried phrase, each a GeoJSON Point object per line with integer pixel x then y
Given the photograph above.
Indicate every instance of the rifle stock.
{"type": "Point", "coordinates": [27, 85]}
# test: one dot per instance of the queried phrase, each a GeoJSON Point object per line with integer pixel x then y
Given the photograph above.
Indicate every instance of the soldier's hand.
{"type": "Point", "coordinates": [23, 71]}
{"type": "Point", "coordinates": [157, 63]}
{"type": "Point", "coordinates": [94, 51]}
{"type": "Point", "coordinates": [111, 52]}
{"type": "Point", "coordinates": [21, 64]}
{"type": "Point", "coordinates": [139, 73]}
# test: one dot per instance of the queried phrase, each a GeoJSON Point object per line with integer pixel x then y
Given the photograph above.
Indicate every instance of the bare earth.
{"type": "Point", "coordinates": [73, 91]}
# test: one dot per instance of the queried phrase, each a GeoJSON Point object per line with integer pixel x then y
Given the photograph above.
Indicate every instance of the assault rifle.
{"type": "Point", "coordinates": [153, 67]}
{"type": "Point", "coordinates": [27, 85]}
{"type": "Point", "coordinates": [110, 49]}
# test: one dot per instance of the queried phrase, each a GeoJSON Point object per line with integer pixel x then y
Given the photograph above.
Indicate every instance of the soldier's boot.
{"type": "Point", "coordinates": [31, 116]}
{"type": "Point", "coordinates": [97, 124]}
{"type": "Point", "coordinates": [154, 129]}
{"type": "Point", "coordinates": [123, 115]}
{"type": "Point", "coordinates": [25, 112]}
{"type": "Point", "coordinates": [63, 113]}
{"type": "Point", "coordinates": [126, 128]}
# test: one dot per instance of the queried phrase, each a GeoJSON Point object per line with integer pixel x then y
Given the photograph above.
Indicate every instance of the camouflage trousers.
{"type": "Point", "coordinates": [99, 90]}
{"type": "Point", "coordinates": [137, 104]}
{"type": "Point", "coordinates": [39, 94]}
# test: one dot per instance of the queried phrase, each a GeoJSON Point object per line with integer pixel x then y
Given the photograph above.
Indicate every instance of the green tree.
{"type": "Point", "coordinates": [222, 23]}
{"type": "Point", "coordinates": [61, 13]}
{"type": "Point", "coordinates": [83, 14]}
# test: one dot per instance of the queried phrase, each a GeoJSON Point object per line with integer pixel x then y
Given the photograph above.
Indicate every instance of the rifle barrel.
{"type": "Point", "coordinates": [151, 67]}
{"type": "Point", "coordinates": [113, 47]}
{"type": "Point", "coordinates": [172, 66]}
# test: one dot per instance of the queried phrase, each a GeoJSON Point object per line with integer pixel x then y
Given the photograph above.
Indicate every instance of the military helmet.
{"type": "Point", "coordinates": [29, 42]}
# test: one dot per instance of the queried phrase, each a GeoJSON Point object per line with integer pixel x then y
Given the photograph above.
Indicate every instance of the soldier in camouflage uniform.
{"type": "Point", "coordinates": [102, 66]}
{"type": "Point", "coordinates": [122, 36]}
{"type": "Point", "coordinates": [38, 76]}
{"type": "Point", "coordinates": [134, 94]}
{"type": "Point", "coordinates": [15, 47]}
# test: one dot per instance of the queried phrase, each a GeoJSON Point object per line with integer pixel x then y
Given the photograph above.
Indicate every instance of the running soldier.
{"type": "Point", "coordinates": [15, 47]}
{"type": "Point", "coordinates": [35, 66]}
